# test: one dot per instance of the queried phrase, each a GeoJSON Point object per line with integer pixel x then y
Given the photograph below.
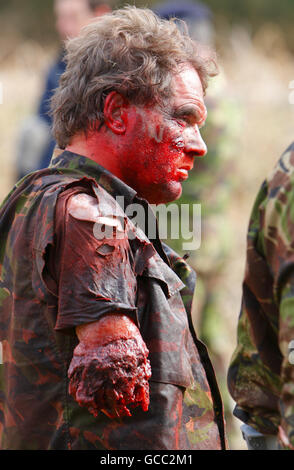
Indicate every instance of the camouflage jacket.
{"type": "Point", "coordinates": [41, 305]}
{"type": "Point", "coordinates": [261, 374]}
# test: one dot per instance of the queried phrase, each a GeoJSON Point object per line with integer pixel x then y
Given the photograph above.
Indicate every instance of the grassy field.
{"type": "Point", "coordinates": [257, 76]}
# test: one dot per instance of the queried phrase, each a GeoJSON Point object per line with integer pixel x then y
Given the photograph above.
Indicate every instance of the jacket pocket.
{"type": "Point", "coordinates": [182, 379]}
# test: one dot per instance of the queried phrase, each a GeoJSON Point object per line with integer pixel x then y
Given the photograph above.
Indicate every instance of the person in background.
{"type": "Point", "coordinates": [261, 372]}
{"type": "Point", "coordinates": [197, 16]}
{"type": "Point", "coordinates": [35, 141]}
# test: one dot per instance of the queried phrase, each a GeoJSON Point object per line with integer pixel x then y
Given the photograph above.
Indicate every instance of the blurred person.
{"type": "Point", "coordinates": [35, 142]}
{"type": "Point", "coordinates": [196, 15]}
{"type": "Point", "coordinates": [261, 373]}
{"type": "Point", "coordinates": [98, 342]}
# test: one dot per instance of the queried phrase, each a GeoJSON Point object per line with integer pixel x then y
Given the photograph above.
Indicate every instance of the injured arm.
{"type": "Point", "coordinates": [109, 370]}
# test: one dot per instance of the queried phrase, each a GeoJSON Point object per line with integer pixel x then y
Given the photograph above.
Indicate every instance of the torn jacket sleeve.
{"type": "Point", "coordinates": [94, 276]}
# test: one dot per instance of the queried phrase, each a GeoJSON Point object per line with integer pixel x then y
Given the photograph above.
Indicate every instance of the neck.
{"type": "Point", "coordinates": [99, 147]}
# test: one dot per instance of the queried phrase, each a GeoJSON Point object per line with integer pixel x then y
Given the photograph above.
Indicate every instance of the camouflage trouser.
{"type": "Point", "coordinates": [257, 441]}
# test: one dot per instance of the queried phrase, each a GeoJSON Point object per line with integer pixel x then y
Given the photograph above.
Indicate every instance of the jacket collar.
{"type": "Point", "coordinates": [75, 162]}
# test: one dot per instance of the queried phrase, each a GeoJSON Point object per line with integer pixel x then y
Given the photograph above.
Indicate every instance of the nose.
{"type": "Point", "coordinates": [194, 144]}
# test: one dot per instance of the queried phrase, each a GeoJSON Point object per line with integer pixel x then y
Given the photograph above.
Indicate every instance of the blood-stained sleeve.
{"type": "Point", "coordinates": [94, 265]}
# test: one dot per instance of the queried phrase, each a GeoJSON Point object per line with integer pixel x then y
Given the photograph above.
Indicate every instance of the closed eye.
{"type": "Point", "coordinates": [190, 116]}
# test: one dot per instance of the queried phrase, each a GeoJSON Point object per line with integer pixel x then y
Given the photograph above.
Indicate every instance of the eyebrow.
{"type": "Point", "coordinates": [191, 111]}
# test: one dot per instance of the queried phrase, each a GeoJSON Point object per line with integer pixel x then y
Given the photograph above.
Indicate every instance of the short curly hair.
{"type": "Point", "coordinates": [131, 51]}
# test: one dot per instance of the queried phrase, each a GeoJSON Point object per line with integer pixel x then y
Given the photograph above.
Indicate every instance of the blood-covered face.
{"type": "Point", "coordinates": [162, 143]}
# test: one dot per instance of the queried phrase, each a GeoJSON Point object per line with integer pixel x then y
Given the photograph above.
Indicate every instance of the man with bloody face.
{"type": "Point", "coordinates": [98, 343]}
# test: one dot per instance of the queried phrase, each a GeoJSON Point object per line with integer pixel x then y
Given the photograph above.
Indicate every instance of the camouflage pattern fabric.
{"type": "Point", "coordinates": [36, 411]}
{"type": "Point", "coordinates": [261, 373]}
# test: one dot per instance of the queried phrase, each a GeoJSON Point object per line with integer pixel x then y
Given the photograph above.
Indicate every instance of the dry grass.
{"type": "Point", "coordinates": [258, 76]}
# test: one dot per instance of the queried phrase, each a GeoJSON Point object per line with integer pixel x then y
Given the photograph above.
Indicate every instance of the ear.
{"type": "Point", "coordinates": [115, 115]}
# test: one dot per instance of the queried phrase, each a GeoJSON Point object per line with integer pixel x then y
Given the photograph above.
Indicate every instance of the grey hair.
{"type": "Point", "coordinates": [130, 51]}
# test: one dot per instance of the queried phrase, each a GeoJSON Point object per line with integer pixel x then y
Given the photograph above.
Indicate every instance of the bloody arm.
{"type": "Point", "coordinates": [109, 370]}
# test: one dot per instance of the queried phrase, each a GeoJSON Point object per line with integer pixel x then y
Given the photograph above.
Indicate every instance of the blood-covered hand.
{"type": "Point", "coordinates": [109, 370]}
